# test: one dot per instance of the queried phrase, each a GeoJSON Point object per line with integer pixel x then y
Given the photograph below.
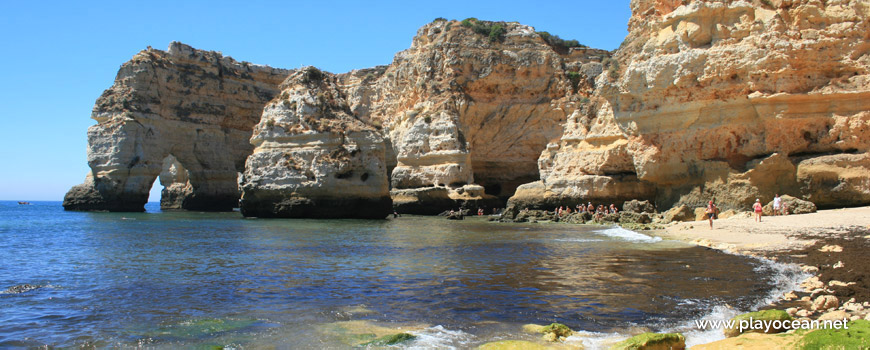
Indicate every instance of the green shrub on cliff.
{"type": "Point", "coordinates": [312, 75]}
{"type": "Point", "coordinates": [612, 67]}
{"type": "Point", "coordinates": [493, 30]}
{"type": "Point", "coordinates": [558, 43]}
{"type": "Point", "coordinates": [575, 78]}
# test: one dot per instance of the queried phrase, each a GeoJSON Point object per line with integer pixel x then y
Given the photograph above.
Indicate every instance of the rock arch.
{"type": "Point", "coordinates": [198, 106]}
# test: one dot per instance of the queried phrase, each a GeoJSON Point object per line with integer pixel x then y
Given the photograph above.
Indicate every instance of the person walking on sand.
{"type": "Point", "coordinates": [711, 212]}
{"type": "Point", "coordinates": [777, 205]}
{"type": "Point", "coordinates": [757, 209]}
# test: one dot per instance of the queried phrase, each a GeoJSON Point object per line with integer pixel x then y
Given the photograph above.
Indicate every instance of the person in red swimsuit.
{"type": "Point", "coordinates": [757, 209]}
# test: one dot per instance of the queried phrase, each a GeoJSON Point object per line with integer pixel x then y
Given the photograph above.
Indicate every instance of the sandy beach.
{"type": "Point", "coordinates": [742, 235]}
{"type": "Point", "coordinates": [832, 245]}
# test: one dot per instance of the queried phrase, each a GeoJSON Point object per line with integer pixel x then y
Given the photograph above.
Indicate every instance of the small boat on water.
{"type": "Point", "coordinates": [25, 203]}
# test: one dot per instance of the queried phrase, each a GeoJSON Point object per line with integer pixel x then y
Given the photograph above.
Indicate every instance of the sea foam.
{"type": "Point", "coordinates": [627, 235]}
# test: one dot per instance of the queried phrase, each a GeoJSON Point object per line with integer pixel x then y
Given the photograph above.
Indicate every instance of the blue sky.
{"type": "Point", "coordinates": [58, 57]}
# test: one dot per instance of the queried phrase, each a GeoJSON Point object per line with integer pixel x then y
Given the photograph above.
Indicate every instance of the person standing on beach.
{"type": "Point", "coordinates": [777, 204]}
{"type": "Point", "coordinates": [711, 212]}
{"type": "Point", "coordinates": [757, 209]}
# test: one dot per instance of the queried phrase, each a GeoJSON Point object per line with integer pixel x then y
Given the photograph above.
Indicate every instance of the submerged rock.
{"type": "Point", "coordinates": [200, 328]}
{"type": "Point", "coordinates": [20, 288]}
{"type": "Point", "coordinates": [391, 339]}
{"type": "Point", "coordinates": [356, 333]}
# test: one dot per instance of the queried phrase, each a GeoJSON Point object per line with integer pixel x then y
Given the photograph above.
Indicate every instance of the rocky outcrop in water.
{"type": "Point", "coordinates": [184, 112]}
{"type": "Point", "coordinates": [462, 116]}
{"type": "Point", "coordinates": [705, 99]}
{"type": "Point", "coordinates": [313, 157]}
{"type": "Point", "coordinates": [728, 100]}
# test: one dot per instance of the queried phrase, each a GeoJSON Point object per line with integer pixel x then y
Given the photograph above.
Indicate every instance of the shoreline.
{"type": "Point", "coordinates": [814, 242]}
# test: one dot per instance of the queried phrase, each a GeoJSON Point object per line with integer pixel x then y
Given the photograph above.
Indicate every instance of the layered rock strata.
{"type": "Point", "coordinates": [460, 108]}
{"type": "Point", "coordinates": [183, 107]}
{"type": "Point", "coordinates": [732, 100]}
{"type": "Point", "coordinates": [458, 112]}
{"type": "Point", "coordinates": [313, 157]}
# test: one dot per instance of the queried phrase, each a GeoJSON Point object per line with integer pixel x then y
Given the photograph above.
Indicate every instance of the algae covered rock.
{"type": "Point", "coordinates": [512, 345]}
{"type": "Point", "coordinates": [552, 332]}
{"type": "Point", "coordinates": [759, 316]}
{"type": "Point", "coordinates": [857, 336]}
{"type": "Point", "coordinates": [557, 329]}
{"type": "Point", "coordinates": [391, 339]}
{"type": "Point", "coordinates": [652, 341]}
{"type": "Point", "coordinates": [367, 333]}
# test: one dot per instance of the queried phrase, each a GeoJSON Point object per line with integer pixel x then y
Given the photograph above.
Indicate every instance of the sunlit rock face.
{"type": "Point", "coordinates": [459, 108]}
{"type": "Point", "coordinates": [313, 157]}
{"type": "Point", "coordinates": [731, 100]}
{"type": "Point", "coordinates": [197, 107]}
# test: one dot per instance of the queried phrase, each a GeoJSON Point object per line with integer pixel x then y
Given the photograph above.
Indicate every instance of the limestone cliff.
{"type": "Point", "coordinates": [313, 157]}
{"type": "Point", "coordinates": [727, 99]}
{"type": "Point", "coordinates": [462, 109]}
{"type": "Point", "coordinates": [185, 109]}
{"type": "Point", "coordinates": [462, 116]}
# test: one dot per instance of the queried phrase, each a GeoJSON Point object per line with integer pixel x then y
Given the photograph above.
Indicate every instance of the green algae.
{"type": "Point", "coordinates": [652, 341]}
{"type": "Point", "coordinates": [391, 339]}
{"type": "Point", "coordinates": [201, 328]}
{"type": "Point", "coordinates": [857, 336]}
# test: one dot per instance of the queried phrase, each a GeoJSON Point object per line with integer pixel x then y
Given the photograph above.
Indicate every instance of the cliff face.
{"type": "Point", "coordinates": [461, 108]}
{"type": "Point", "coordinates": [313, 157]}
{"type": "Point", "coordinates": [727, 99]}
{"type": "Point", "coordinates": [185, 112]}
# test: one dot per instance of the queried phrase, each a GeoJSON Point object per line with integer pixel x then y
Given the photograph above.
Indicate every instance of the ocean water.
{"type": "Point", "coordinates": [208, 280]}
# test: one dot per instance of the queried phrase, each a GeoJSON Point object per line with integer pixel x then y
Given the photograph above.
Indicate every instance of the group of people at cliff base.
{"type": "Point", "coordinates": [597, 212]}
{"type": "Point", "coordinates": [779, 208]}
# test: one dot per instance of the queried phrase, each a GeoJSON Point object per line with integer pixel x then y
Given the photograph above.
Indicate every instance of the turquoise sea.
{"type": "Point", "coordinates": [210, 280]}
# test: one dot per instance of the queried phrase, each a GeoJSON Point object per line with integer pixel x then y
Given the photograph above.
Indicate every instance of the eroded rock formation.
{"type": "Point", "coordinates": [732, 100]}
{"type": "Point", "coordinates": [462, 116]}
{"type": "Point", "coordinates": [197, 107]}
{"type": "Point", "coordinates": [461, 108]}
{"type": "Point", "coordinates": [313, 157]}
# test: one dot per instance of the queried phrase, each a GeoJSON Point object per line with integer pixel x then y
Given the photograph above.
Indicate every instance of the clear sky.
{"type": "Point", "coordinates": [58, 57]}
